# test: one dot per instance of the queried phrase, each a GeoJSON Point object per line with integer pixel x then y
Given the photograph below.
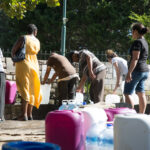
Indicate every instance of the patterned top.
{"type": "Point", "coordinates": [83, 66]}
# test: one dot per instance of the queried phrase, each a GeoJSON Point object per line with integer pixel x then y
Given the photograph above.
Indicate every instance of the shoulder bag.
{"type": "Point", "coordinates": [20, 53]}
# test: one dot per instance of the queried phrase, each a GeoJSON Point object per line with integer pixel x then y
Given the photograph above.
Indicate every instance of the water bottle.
{"type": "Point", "coordinates": [106, 141]}
{"type": "Point", "coordinates": [64, 105]}
{"type": "Point", "coordinates": [72, 105]}
{"type": "Point", "coordinates": [92, 136]}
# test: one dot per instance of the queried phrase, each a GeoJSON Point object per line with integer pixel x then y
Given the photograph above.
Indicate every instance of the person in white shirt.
{"type": "Point", "coordinates": [121, 68]}
{"type": "Point", "coordinates": [2, 88]}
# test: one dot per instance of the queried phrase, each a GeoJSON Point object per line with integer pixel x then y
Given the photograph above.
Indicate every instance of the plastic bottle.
{"type": "Point", "coordinates": [72, 105]}
{"type": "Point", "coordinates": [92, 136]}
{"type": "Point", "coordinates": [106, 138]}
{"type": "Point", "coordinates": [64, 105]}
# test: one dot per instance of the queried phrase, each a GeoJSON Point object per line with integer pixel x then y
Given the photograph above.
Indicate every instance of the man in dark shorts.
{"type": "Point", "coordinates": [90, 67]}
{"type": "Point", "coordinates": [66, 74]}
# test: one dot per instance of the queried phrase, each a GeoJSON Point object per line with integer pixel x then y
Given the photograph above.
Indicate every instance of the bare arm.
{"type": "Point", "coordinates": [81, 84]}
{"type": "Point", "coordinates": [53, 78]}
{"type": "Point", "coordinates": [17, 45]}
{"type": "Point", "coordinates": [90, 66]}
{"type": "Point", "coordinates": [136, 55]}
{"type": "Point", "coordinates": [118, 77]}
{"type": "Point", "coordinates": [46, 74]}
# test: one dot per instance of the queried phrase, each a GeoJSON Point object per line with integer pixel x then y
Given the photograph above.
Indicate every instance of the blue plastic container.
{"type": "Point", "coordinates": [26, 145]}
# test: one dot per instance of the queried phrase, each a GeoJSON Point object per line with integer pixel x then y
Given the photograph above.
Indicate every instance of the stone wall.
{"type": "Point", "coordinates": [109, 81]}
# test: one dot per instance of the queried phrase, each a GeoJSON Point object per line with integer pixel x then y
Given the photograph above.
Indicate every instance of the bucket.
{"type": "Point", "coordinates": [26, 145]}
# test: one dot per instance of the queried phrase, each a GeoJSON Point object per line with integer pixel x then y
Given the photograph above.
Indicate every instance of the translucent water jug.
{"type": "Point", "coordinates": [72, 105]}
{"type": "Point", "coordinates": [79, 98]}
{"type": "Point", "coordinates": [64, 105]}
{"type": "Point", "coordinates": [106, 138]}
{"type": "Point", "coordinates": [92, 136]}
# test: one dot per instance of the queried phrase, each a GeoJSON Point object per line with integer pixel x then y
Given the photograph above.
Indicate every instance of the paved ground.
{"type": "Point", "coordinates": [22, 131]}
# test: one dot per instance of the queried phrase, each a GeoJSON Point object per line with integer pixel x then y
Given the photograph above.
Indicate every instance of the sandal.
{"type": "Point", "coordinates": [24, 118]}
{"type": "Point", "coordinates": [30, 118]}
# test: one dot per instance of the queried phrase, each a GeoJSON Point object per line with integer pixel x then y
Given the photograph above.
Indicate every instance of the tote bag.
{"type": "Point", "coordinates": [20, 54]}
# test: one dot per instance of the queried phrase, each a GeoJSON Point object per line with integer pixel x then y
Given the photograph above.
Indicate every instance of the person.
{"type": "Point", "coordinates": [66, 74]}
{"type": "Point", "coordinates": [2, 88]}
{"type": "Point", "coordinates": [138, 68]}
{"type": "Point", "coordinates": [27, 73]}
{"type": "Point", "coordinates": [121, 68]}
{"type": "Point", "coordinates": [90, 67]}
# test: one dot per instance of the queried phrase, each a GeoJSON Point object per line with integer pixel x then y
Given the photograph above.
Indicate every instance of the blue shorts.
{"type": "Point", "coordinates": [137, 83]}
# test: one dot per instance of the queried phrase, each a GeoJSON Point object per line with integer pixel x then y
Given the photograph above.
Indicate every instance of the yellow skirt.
{"type": "Point", "coordinates": [28, 82]}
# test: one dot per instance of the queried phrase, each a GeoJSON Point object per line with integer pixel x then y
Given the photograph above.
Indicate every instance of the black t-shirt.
{"type": "Point", "coordinates": [142, 46]}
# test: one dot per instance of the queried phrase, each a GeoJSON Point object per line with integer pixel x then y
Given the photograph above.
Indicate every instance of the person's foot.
{"type": "Point", "coordinates": [21, 118]}
{"type": "Point", "coordinates": [1, 120]}
{"type": "Point", "coordinates": [30, 118]}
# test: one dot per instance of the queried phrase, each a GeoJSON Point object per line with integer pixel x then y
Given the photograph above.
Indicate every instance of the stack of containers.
{"type": "Point", "coordinates": [94, 122]}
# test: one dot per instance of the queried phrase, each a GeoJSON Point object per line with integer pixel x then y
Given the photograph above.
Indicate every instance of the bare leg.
{"type": "Point", "coordinates": [142, 102]}
{"type": "Point", "coordinates": [24, 110]}
{"type": "Point", "coordinates": [30, 108]}
{"type": "Point", "coordinates": [128, 99]}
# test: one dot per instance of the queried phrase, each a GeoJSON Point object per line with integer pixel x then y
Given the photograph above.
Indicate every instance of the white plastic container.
{"type": "Point", "coordinates": [112, 98]}
{"type": "Point", "coordinates": [132, 132]}
{"type": "Point", "coordinates": [79, 98]}
{"type": "Point", "coordinates": [93, 116]}
{"type": "Point", "coordinates": [45, 89]}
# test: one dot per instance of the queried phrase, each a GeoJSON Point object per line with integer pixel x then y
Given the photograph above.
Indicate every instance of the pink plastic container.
{"type": "Point", "coordinates": [65, 128]}
{"type": "Point", "coordinates": [111, 112]}
{"type": "Point", "coordinates": [10, 94]}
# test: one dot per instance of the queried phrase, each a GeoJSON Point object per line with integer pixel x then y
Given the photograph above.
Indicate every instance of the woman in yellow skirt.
{"type": "Point", "coordinates": [27, 73]}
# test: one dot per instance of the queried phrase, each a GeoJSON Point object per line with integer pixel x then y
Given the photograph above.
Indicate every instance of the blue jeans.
{"type": "Point", "coordinates": [137, 83]}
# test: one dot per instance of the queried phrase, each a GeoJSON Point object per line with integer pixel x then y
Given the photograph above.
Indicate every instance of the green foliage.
{"type": "Point", "coordinates": [144, 19]}
{"type": "Point", "coordinates": [93, 24]}
{"type": "Point", "coordinates": [18, 8]}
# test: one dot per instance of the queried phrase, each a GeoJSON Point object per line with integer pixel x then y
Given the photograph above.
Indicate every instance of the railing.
{"type": "Point", "coordinates": [43, 55]}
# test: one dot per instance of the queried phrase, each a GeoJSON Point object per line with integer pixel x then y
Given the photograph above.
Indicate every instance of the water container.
{"type": "Point", "coordinates": [10, 93]}
{"type": "Point", "coordinates": [72, 105]}
{"type": "Point", "coordinates": [79, 98]}
{"type": "Point", "coordinates": [111, 112]}
{"type": "Point", "coordinates": [132, 132]}
{"type": "Point", "coordinates": [24, 145]}
{"type": "Point", "coordinates": [112, 98]}
{"type": "Point", "coordinates": [92, 136]}
{"type": "Point", "coordinates": [65, 128]}
{"type": "Point", "coordinates": [93, 116]}
{"type": "Point", "coordinates": [45, 90]}
{"type": "Point", "coordinates": [106, 138]}
{"type": "Point", "coordinates": [64, 105]}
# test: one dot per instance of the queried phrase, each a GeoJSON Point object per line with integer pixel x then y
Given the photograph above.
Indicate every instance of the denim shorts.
{"type": "Point", "coordinates": [137, 83]}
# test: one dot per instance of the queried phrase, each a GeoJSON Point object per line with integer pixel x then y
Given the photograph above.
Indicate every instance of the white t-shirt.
{"type": "Point", "coordinates": [1, 64]}
{"type": "Point", "coordinates": [122, 65]}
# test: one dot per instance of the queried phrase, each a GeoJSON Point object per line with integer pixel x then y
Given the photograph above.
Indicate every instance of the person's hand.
{"type": "Point", "coordinates": [92, 75]}
{"type": "Point", "coordinates": [128, 77]}
{"type": "Point", "coordinates": [80, 90]}
{"type": "Point", "coordinates": [114, 92]}
{"type": "Point", "coordinates": [42, 82]}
